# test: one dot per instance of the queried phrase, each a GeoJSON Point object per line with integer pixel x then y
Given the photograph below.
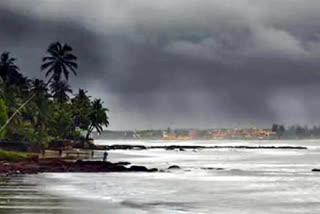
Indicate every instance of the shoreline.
{"type": "Point", "coordinates": [59, 164]}
{"type": "Point", "coordinates": [62, 166]}
{"type": "Point", "coordinates": [183, 147]}
{"type": "Point", "coordinates": [208, 139]}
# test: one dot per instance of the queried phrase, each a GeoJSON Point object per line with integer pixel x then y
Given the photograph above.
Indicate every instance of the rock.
{"type": "Point", "coordinates": [138, 169]}
{"type": "Point", "coordinates": [186, 147]}
{"type": "Point", "coordinates": [123, 163]}
{"type": "Point", "coordinates": [211, 168]}
{"type": "Point", "coordinates": [30, 167]}
{"type": "Point", "coordinates": [119, 168]}
{"type": "Point", "coordinates": [174, 167]}
{"type": "Point", "coordinates": [127, 147]}
{"type": "Point", "coordinates": [153, 170]}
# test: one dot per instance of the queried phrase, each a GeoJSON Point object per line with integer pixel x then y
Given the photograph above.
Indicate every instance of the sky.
{"type": "Point", "coordinates": [180, 63]}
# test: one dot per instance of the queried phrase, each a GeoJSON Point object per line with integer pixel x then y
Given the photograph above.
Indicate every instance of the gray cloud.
{"type": "Point", "coordinates": [181, 63]}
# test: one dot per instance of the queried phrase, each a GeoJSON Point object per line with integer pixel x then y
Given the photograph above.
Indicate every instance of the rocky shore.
{"type": "Point", "coordinates": [56, 165]}
{"type": "Point", "coordinates": [181, 148]}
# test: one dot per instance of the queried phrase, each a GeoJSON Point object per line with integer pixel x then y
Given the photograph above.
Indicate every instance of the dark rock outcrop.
{"type": "Point", "coordinates": [56, 165]}
{"type": "Point", "coordinates": [139, 168]}
{"type": "Point", "coordinates": [192, 147]}
{"type": "Point", "coordinates": [174, 167]}
{"type": "Point", "coordinates": [124, 163]}
{"type": "Point", "coordinates": [211, 168]}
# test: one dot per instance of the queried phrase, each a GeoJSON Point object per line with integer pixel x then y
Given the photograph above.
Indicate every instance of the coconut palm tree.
{"type": "Point", "coordinates": [98, 117]}
{"type": "Point", "coordinates": [59, 61]}
{"type": "Point", "coordinates": [39, 87]}
{"type": "Point", "coordinates": [23, 84]}
{"type": "Point", "coordinates": [60, 90]}
{"type": "Point", "coordinates": [82, 94]}
{"type": "Point", "coordinates": [41, 102]}
{"type": "Point", "coordinates": [8, 69]}
{"type": "Point", "coordinates": [81, 108]}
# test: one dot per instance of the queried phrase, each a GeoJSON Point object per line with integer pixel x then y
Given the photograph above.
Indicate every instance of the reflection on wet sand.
{"type": "Point", "coordinates": [20, 195]}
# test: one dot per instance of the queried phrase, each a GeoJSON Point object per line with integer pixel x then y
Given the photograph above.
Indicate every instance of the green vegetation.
{"type": "Point", "coordinates": [296, 131]}
{"type": "Point", "coordinates": [3, 115]}
{"type": "Point", "coordinates": [40, 111]}
{"type": "Point", "coordinates": [14, 156]}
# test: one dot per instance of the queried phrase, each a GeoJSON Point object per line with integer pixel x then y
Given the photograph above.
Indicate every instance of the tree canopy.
{"type": "Point", "coordinates": [40, 111]}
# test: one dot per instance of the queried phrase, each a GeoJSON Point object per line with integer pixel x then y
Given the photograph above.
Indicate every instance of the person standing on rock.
{"type": "Point", "coordinates": [105, 156]}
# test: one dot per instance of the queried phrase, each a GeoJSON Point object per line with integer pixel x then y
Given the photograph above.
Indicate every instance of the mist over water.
{"type": "Point", "coordinates": [252, 181]}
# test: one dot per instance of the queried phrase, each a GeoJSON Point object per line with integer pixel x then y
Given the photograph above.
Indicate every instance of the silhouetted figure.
{"type": "Point", "coordinates": [105, 155]}
{"type": "Point", "coordinates": [92, 153]}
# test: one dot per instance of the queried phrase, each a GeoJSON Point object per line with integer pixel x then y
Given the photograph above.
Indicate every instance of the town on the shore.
{"type": "Point", "coordinates": [275, 132]}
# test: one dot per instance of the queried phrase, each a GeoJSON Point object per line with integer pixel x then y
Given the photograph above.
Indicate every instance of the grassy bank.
{"type": "Point", "coordinates": [14, 156]}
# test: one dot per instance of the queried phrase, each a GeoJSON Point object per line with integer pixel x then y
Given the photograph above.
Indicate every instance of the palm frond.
{"type": "Point", "coordinates": [47, 65]}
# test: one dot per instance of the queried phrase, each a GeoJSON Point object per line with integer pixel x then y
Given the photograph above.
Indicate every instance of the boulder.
{"type": "Point", "coordinates": [123, 163]}
{"type": "Point", "coordinates": [211, 168]}
{"type": "Point", "coordinates": [138, 169]}
{"type": "Point", "coordinates": [118, 168]}
{"type": "Point", "coordinates": [153, 170]}
{"type": "Point", "coordinates": [174, 167]}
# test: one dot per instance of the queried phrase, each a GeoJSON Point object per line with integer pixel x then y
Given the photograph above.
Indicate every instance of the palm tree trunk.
{"type": "Point", "coordinates": [88, 133]}
{"type": "Point", "coordinates": [16, 112]}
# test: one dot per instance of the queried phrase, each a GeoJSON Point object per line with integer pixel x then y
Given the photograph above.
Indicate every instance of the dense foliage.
{"type": "Point", "coordinates": [296, 131]}
{"type": "Point", "coordinates": [39, 111]}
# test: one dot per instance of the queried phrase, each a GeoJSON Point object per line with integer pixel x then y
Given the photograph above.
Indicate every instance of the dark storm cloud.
{"type": "Point", "coordinates": [181, 63]}
{"type": "Point", "coordinates": [27, 37]}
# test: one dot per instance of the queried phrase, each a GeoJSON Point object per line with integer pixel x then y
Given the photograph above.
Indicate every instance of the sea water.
{"type": "Point", "coordinates": [209, 181]}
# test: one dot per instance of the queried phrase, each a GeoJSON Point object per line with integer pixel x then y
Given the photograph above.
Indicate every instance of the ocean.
{"type": "Point", "coordinates": [209, 181]}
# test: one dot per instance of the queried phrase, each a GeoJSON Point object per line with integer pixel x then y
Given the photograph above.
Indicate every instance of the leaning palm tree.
{"type": "Point", "coordinates": [60, 90]}
{"type": "Point", "coordinates": [98, 117]}
{"type": "Point", "coordinates": [59, 61]}
{"type": "Point", "coordinates": [8, 68]}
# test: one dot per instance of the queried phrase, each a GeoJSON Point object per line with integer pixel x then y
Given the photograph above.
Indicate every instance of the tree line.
{"type": "Point", "coordinates": [40, 111]}
{"type": "Point", "coordinates": [295, 131]}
